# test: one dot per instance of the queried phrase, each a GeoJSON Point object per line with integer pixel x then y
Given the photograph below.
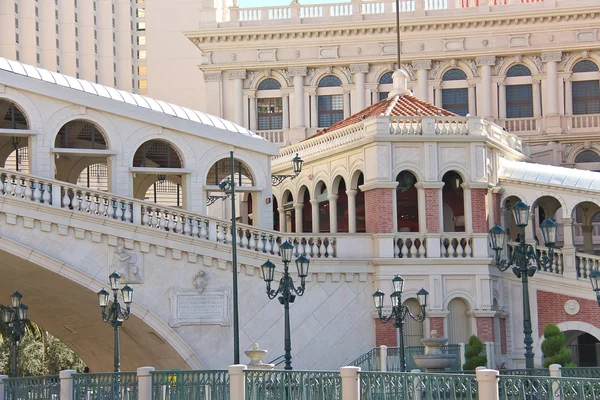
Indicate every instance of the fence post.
{"type": "Point", "coordinates": [463, 359]}
{"type": "Point", "coordinates": [383, 358]}
{"type": "Point", "coordinates": [237, 384]}
{"type": "Point", "coordinates": [350, 383]}
{"type": "Point", "coordinates": [489, 354]}
{"type": "Point", "coordinates": [487, 384]}
{"type": "Point", "coordinates": [555, 372]}
{"type": "Point", "coordinates": [66, 383]}
{"type": "Point", "coordinates": [417, 384]}
{"type": "Point", "coordinates": [2, 378]}
{"type": "Point", "coordinates": [56, 196]}
{"type": "Point", "coordinates": [144, 376]}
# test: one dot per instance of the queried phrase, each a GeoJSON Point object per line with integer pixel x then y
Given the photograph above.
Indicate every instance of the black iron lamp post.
{"type": "Point", "coordinates": [296, 167]}
{"type": "Point", "coordinates": [594, 278]}
{"type": "Point", "coordinates": [15, 322]}
{"type": "Point", "coordinates": [115, 314]}
{"type": "Point", "coordinates": [400, 312]}
{"type": "Point", "coordinates": [287, 291]}
{"type": "Point", "coordinates": [526, 262]}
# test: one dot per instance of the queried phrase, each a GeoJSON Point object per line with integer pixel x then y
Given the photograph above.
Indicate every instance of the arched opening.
{"type": "Point", "coordinates": [306, 210]}
{"type": "Point", "coordinates": [18, 159]}
{"type": "Point", "coordinates": [407, 202]}
{"type": "Point", "coordinates": [14, 151]}
{"type": "Point", "coordinates": [78, 147]}
{"type": "Point", "coordinates": [519, 92]}
{"type": "Point", "coordinates": [269, 105]}
{"type": "Point", "coordinates": [585, 88]}
{"type": "Point", "coordinates": [459, 324]}
{"type": "Point", "coordinates": [385, 85]}
{"type": "Point", "coordinates": [455, 92]}
{"type": "Point", "coordinates": [586, 230]}
{"type": "Point", "coordinates": [342, 207]}
{"type": "Point", "coordinates": [155, 177]}
{"type": "Point", "coordinates": [585, 348]}
{"type": "Point", "coordinates": [12, 117]}
{"type": "Point", "coordinates": [330, 100]}
{"type": "Point", "coordinates": [413, 330]}
{"type": "Point", "coordinates": [361, 220]}
{"type": "Point", "coordinates": [508, 222]}
{"type": "Point", "coordinates": [454, 202]}
{"type": "Point", "coordinates": [321, 195]}
{"type": "Point", "coordinates": [275, 209]}
{"type": "Point", "coordinates": [289, 212]}
{"type": "Point", "coordinates": [542, 208]}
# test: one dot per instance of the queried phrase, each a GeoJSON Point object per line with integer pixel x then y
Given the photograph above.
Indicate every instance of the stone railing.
{"type": "Point", "coordinates": [410, 245]}
{"type": "Point", "coordinates": [320, 144]}
{"type": "Point", "coordinates": [557, 267]}
{"type": "Point", "coordinates": [499, 134]}
{"type": "Point", "coordinates": [521, 125]}
{"type": "Point", "coordinates": [582, 123]}
{"type": "Point", "coordinates": [275, 136]}
{"type": "Point", "coordinates": [456, 245]}
{"type": "Point", "coordinates": [373, 10]}
{"type": "Point", "coordinates": [586, 263]}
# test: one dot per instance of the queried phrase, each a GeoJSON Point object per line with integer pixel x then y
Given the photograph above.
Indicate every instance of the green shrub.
{"type": "Point", "coordinates": [473, 355]}
{"type": "Point", "coordinates": [554, 349]}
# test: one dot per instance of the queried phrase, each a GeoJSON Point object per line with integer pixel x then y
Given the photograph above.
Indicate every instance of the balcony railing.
{"type": "Point", "coordinates": [522, 125]}
{"type": "Point", "coordinates": [583, 123]}
{"type": "Point", "coordinates": [274, 136]}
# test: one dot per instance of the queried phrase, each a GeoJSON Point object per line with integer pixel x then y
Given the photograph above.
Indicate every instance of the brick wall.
{"type": "Point", "coordinates": [485, 329]}
{"type": "Point", "coordinates": [497, 209]}
{"type": "Point", "coordinates": [379, 210]}
{"type": "Point", "coordinates": [551, 310]}
{"type": "Point", "coordinates": [503, 345]}
{"type": "Point", "coordinates": [385, 334]}
{"type": "Point", "coordinates": [432, 210]}
{"type": "Point", "coordinates": [437, 323]}
{"type": "Point", "coordinates": [479, 210]}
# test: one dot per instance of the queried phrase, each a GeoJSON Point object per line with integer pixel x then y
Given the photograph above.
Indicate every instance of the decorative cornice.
{"type": "Point", "coordinates": [421, 64]}
{"type": "Point", "coordinates": [298, 71]}
{"type": "Point", "coordinates": [239, 74]}
{"type": "Point", "coordinates": [212, 76]}
{"type": "Point", "coordinates": [357, 68]}
{"type": "Point", "coordinates": [552, 56]}
{"type": "Point", "coordinates": [485, 60]}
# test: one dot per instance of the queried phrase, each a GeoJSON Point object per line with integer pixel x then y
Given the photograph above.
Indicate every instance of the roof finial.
{"type": "Point", "coordinates": [399, 80]}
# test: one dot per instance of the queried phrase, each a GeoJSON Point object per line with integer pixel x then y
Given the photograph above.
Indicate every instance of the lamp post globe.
{"type": "Point", "coordinates": [15, 318]}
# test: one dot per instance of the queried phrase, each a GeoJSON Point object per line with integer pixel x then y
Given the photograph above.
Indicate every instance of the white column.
{"type": "Point", "coordinates": [298, 216]}
{"type": "Point", "coordinates": [350, 383]}
{"type": "Point", "coordinates": [485, 66]}
{"type": "Point", "coordinates": [238, 95]}
{"type": "Point", "coordinates": [555, 372]}
{"type": "Point", "coordinates": [333, 222]}
{"type": "Point", "coordinates": [298, 73]}
{"type": "Point", "coordinates": [360, 71]}
{"type": "Point", "coordinates": [314, 111]}
{"type": "Point", "coordinates": [47, 34]}
{"type": "Point", "coordinates": [27, 52]}
{"type": "Point", "coordinates": [351, 210]}
{"type": "Point", "coordinates": [422, 66]}
{"type": "Point", "coordinates": [551, 60]}
{"type": "Point", "coordinates": [66, 17]}
{"type": "Point", "coordinates": [487, 384]}
{"type": "Point", "coordinates": [104, 17]}
{"type": "Point", "coordinates": [145, 383]}
{"type": "Point", "coordinates": [285, 104]}
{"type": "Point", "coordinates": [568, 96]}
{"type": "Point", "coordinates": [537, 101]}
{"type": "Point", "coordinates": [472, 100]}
{"type": "Point", "coordinates": [383, 358]}
{"type": "Point", "coordinates": [237, 382]}
{"type": "Point", "coordinates": [66, 383]}
{"type": "Point", "coordinates": [438, 96]}
{"type": "Point", "coordinates": [253, 112]}
{"type": "Point", "coordinates": [123, 44]}
{"type": "Point", "coordinates": [282, 220]}
{"type": "Point", "coordinates": [87, 55]}
{"type": "Point", "coordinates": [315, 215]}
{"type": "Point", "coordinates": [502, 100]}
{"type": "Point", "coordinates": [422, 207]}
{"type": "Point", "coordinates": [346, 103]}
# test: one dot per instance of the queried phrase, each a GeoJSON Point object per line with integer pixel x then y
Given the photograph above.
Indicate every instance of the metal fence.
{"type": "Point", "coordinates": [190, 385]}
{"type": "Point", "coordinates": [370, 361]}
{"type": "Point", "coordinates": [547, 388]}
{"type": "Point", "coordinates": [105, 386]}
{"type": "Point", "coordinates": [393, 358]}
{"type": "Point", "coordinates": [32, 388]}
{"type": "Point", "coordinates": [417, 386]}
{"type": "Point", "coordinates": [293, 385]}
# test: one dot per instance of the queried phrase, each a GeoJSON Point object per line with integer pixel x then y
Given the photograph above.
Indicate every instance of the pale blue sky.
{"type": "Point", "coordinates": [267, 3]}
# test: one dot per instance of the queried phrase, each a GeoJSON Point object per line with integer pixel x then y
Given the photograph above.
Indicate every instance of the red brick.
{"type": "Point", "coordinates": [551, 310]}
{"type": "Point", "coordinates": [437, 323]}
{"type": "Point", "coordinates": [432, 210]}
{"type": "Point", "coordinates": [503, 345]}
{"type": "Point", "coordinates": [479, 210]}
{"type": "Point", "coordinates": [385, 334]}
{"type": "Point", "coordinates": [497, 209]}
{"type": "Point", "coordinates": [379, 210]}
{"type": "Point", "coordinates": [485, 329]}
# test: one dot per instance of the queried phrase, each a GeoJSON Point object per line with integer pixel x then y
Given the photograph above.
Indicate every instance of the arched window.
{"type": "Point", "coordinates": [11, 116]}
{"type": "Point", "coordinates": [323, 203]}
{"type": "Point", "coordinates": [221, 170]}
{"type": "Point", "coordinates": [455, 99]}
{"type": "Point", "coordinates": [454, 202]}
{"type": "Point", "coordinates": [587, 156]}
{"type": "Point", "coordinates": [519, 98]}
{"type": "Point", "coordinates": [407, 202]}
{"type": "Point", "coordinates": [342, 207]}
{"type": "Point", "coordinates": [586, 93]}
{"type": "Point", "coordinates": [80, 134]}
{"type": "Point", "coordinates": [386, 79]}
{"type": "Point", "coordinates": [94, 177]}
{"type": "Point", "coordinates": [585, 66]}
{"type": "Point", "coordinates": [330, 103]}
{"type": "Point", "coordinates": [459, 329]}
{"type": "Point", "coordinates": [518, 70]}
{"type": "Point", "coordinates": [269, 84]}
{"type": "Point", "coordinates": [157, 153]}
{"type": "Point", "coordinates": [270, 108]}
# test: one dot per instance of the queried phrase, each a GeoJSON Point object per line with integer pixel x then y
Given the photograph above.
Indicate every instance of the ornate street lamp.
{"type": "Point", "coordinates": [526, 262]}
{"type": "Point", "coordinates": [286, 289]}
{"type": "Point", "coordinates": [594, 277]}
{"type": "Point", "coordinates": [400, 312]}
{"type": "Point", "coordinates": [15, 321]}
{"type": "Point", "coordinates": [115, 314]}
{"type": "Point", "coordinates": [296, 167]}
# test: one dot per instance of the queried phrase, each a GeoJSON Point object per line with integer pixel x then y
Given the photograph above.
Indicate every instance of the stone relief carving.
{"type": "Point", "coordinates": [237, 74]}
{"type": "Point", "coordinates": [200, 281]}
{"type": "Point", "coordinates": [128, 264]}
{"type": "Point", "coordinates": [552, 56]}
{"type": "Point", "coordinates": [212, 76]}
{"type": "Point", "coordinates": [472, 67]}
{"type": "Point", "coordinates": [355, 68]}
{"type": "Point", "coordinates": [297, 71]}
{"type": "Point", "coordinates": [538, 63]}
{"type": "Point", "coordinates": [410, 71]}
{"type": "Point", "coordinates": [485, 42]}
{"type": "Point", "coordinates": [249, 81]}
{"type": "Point", "coordinates": [421, 64]}
{"type": "Point", "coordinates": [565, 60]}
{"type": "Point", "coordinates": [551, 38]}
{"type": "Point", "coordinates": [206, 58]}
{"type": "Point", "coordinates": [286, 76]}
{"type": "Point", "coordinates": [485, 60]}
{"type": "Point", "coordinates": [188, 307]}
{"type": "Point", "coordinates": [566, 151]}
{"type": "Point", "coordinates": [498, 66]}
{"type": "Point", "coordinates": [572, 307]}
{"type": "Point", "coordinates": [435, 66]}
{"type": "Point", "coordinates": [297, 54]}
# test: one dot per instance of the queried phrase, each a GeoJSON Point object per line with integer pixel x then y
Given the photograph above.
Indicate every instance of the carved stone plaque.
{"type": "Point", "coordinates": [188, 307]}
{"type": "Point", "coordinates": [572, 307]}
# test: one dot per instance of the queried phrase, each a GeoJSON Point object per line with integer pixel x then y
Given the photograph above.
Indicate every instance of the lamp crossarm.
{"type": "Point", "coordinates": [419, 317]}
{"type": "Point", "coordinates": [384, 319]}
{"type": "Point", "coordinates": [272, 293]}
{"type": "Point", "coordinates": [277, 179]}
